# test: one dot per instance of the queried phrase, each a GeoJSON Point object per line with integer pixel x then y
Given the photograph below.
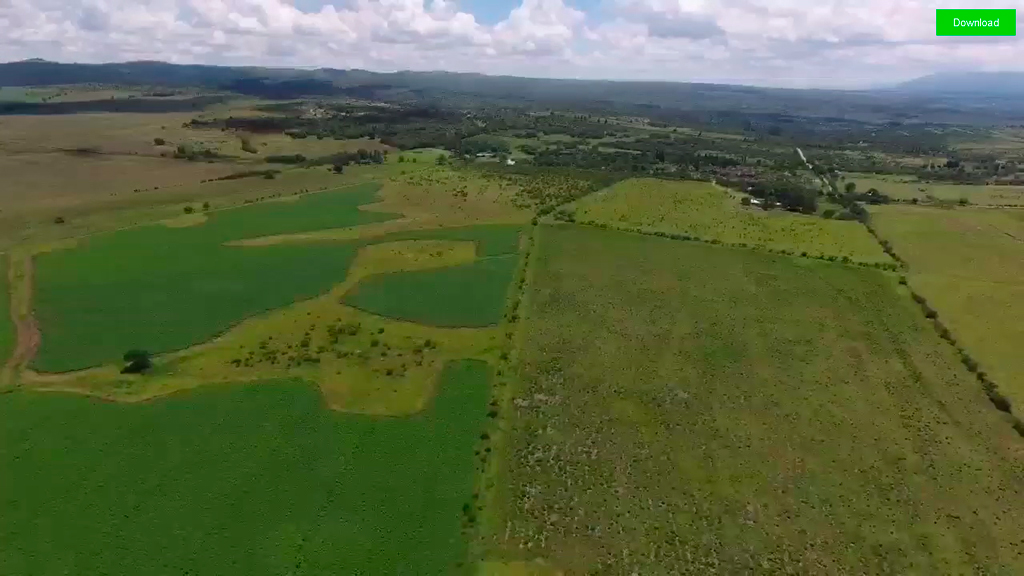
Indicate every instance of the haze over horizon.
{"type": "Point", "coordinates": [783, 43]}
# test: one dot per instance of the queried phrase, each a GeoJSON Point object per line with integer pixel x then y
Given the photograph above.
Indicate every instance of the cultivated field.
{"type": "Point", "coordinates": [368, 363]}
{"type": "Point", "coordinates": [163, 288]}
{"type": "Point", "coordinates": [687, 408]}
{"type": "Point", "coordinates": [710, 213]}
{"type": "Point", "coordinates": [908, 188]}
{"type": "Point", "coordinates": [469, 295]}
{"type": "Point", "coordinates": [966, 262]}
{"type": "Point", "coordinates": [241, 479]}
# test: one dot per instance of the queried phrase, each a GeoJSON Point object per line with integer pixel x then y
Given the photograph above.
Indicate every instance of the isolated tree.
{"type": "Point", "coordinates": [189, 209]}
{"type": "Point", "coordinates": [159, 141]}
{"type": "Point", "coordinates": [851, 187]}
{"type": "Point", "coordinates": [138, 361]}
{"type": "Point", "coordinates": [338, 168]}
{"type": "Point", "coordinates": [206, 206]}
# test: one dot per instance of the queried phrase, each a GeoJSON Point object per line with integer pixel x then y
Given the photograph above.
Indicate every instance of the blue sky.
{"type": "Point", "coordinates": [788, 43]}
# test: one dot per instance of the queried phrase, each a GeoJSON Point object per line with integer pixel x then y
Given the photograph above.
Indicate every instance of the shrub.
{"type": "Point", "coordinates": [159, 141]}
{"type": "Point", "coordinates": [189, 209]}
{"type": "Point", "coordinates": [1002, 403]}
{"type": "Point", "coordinates": [138, 362]}
{"type": "Point", "coordinates": [58, 220]}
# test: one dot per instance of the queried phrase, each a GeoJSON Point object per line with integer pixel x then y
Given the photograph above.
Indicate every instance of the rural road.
{"type": "Point", "coordinates": [824, 182]}
{"type": "Point", "coordinates": [804, 158]}
{"type": "Point", "coordinates": [26, 327]}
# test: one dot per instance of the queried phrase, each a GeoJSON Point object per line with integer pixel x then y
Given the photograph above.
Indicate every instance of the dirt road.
{"type": "Point", "coordinates": [20, 274]}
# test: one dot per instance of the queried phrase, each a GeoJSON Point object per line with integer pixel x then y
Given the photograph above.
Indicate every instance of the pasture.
{"type": "Point", "coordinates": [255, 479]}
{"type": "Point", "coordinates": [909, 188]}
{"type": "Point", "coordinates": [684, 408]}
{"type": "Point", "coordinates": [711, 213]}
{"type": "Point", "coordinates": [966, 263]}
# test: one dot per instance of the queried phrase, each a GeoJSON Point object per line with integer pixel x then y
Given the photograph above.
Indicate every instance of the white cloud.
{"type": "Point", "coordinates": [773, 42]}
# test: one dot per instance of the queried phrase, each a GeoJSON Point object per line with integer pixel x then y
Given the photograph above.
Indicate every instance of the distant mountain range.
{"type": "Point", "coordinates": [940, 98]}
{"type": "Point", "coordinates": [980, 83]}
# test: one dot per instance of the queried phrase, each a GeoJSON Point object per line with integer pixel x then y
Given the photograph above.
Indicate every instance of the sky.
{"type": "Point", "coordinates": [786, 43]}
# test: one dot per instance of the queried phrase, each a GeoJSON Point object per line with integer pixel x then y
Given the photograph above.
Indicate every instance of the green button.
{"type": "Point", "coordinates": [974, 22]}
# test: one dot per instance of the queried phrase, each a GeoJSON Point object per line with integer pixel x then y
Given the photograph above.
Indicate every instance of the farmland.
{"type": "Point", "coordinates": [363, 362]}
{"type": "Point", "coordinates": [782, 415]}
{"type": "Point", "coordinates": [710, 213]}
{"type": "Point", "coordinates": [259, 479]}
{"type": "Point", "coordinates": [184, 285]}
{"type": "Point", "coordinates": [909, 188]}
{"type": "Point", "coordinates": [469, 295]}
{"type": "Point", "coordinates": [965, 263]}
{"type": "Point", "coordinates": [512, 336]}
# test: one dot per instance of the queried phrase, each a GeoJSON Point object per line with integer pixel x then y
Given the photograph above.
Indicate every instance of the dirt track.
{"type": "Point", "coordinates": [26, 327]}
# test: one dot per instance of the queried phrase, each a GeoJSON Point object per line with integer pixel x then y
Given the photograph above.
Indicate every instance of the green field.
{"type": "Point", "coordinates": [470, 295]}
{"type": "Point", "coordinates": [7, 336]}
{"type": "Point", "coordinates": [693, 409]}
{"type": "Point", "coordinates": [966, 262]}
{"type": "Point", "coordinates": [908, 187]}
{"type": "Point", "coordinates": [245, 479]}
{"type": "Point", "coordinates": [163, 288]}
{"type": "Point", "coordinates": [709, 212]}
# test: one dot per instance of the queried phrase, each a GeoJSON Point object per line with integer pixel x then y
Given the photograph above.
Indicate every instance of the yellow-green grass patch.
{"type": "Point", "coordinates": [686, 408]}
{"type": "Point", "coordinates": [966, 263]}
{"type": "Point", "coordinates": [238, 479]}
{"type": "Point", "coordinates": [908, 188]}
{"type": "Point", "coordinates": [709, 212]}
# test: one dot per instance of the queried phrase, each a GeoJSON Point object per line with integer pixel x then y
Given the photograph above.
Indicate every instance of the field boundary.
{"type": "Point", "coordinates": [991, 389]}
{"type": "Point", "coordinates": [506, 376]}
{"type": "Point", "coordinates": [846, 260]}
{"type": "Point", "coordinates": [27, 335]}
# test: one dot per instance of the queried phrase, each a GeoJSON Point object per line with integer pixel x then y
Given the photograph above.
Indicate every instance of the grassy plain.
{"type": "Point", "coordinates": [709, 212]}
{"type": "Point", "coordinates": [241, 479]}
{"type": "Point", "coordinates": [693, 409]}
{"type": "Point", "coordinates": [163, 288]}
{"type": "Point", "coordinates": [908, 188]}
{"type": "Point", "coordinates": [966, 262]}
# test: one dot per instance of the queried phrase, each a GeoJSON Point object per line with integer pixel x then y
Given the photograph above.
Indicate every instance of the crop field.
{"type": "Point", "coordinates": [709, 212]}
{"type": "Point", "coordinates": [363, 362]}
{"type": "Point", "coordinates": [966, 263]}
{"type": "Point", "coordinates": [778, 415]}
{"type": "Point", "coordinates": [470, 295]}
{"type": "Point", "coordinates": [239, 479]}
{"type": "Point", "coordinates": [908, 188]}
{"type": "Point", "coordinates": [163, 288]}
